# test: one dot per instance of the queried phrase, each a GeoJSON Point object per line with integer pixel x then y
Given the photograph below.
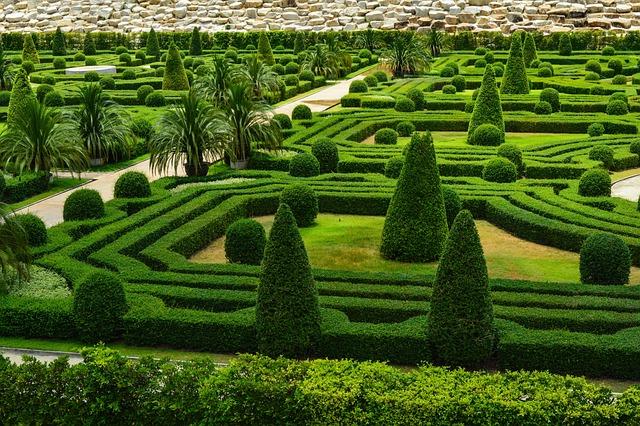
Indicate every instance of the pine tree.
{"type": "Point", "coordinates": [529, 50]}
{"type": "Point", "coordinates": [415, 228]}
{"type": "Point", "coordinates": [153, 46]}
{"type": "Point", "coordinates": [89, 46]}
{"type": "Point", "coordinates": [564, 46]}
{"type": "Point", "coordinates": [460, 325]}
{"type": "Point", "coordinates": [487, 108]}
{"type": "Point", "coordinates": [59, 45]}
{"type": "Point", "coordinates": [21, 95]}
{"type": "Point", "coordinates": [175, 77]}
{"type": "Point", "coordinates": [195, 48]}
{"type": "Point", "coordinates": [265, 54]}
{"type": "Point", "coordinates": [298, 43]}
{"type": "Point", "coordinates": [29, 51]}
{"type": "Point", "coordinates": [287, 312]}
{"type": "Point", "coordinates": [515, 80]}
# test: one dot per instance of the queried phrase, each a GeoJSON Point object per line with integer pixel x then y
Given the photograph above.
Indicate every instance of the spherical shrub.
{"type": "Point", "coordinates": [447, 72]}
{"type": "Point", "coordinates": [455, 67]}
{"type": "Point", "coordinates": [596, 90]}
{"type": "Point", "coordinates": [99, 306]}
{"type": "Point", "coordinates": [405, 128]}
{"type": "Point", "coordinates": [480, 63]}
{"type": "Point", "coordinates": [546, 65]}
{"type": "Point", "coordinates": [144, 91]}
{"type": "Point", "coordinates": [303, 202]}
{"type": "Point", "coordinates": [28, 66]}
{"type": "Point", "coordinates": [308, 75]}
{"type": "Point", "coordinates": [364, 54]}
{"type": "Point", "coordinates": [543, 108]}
{"type": "Point", "coordinates": [91, 76]}
{"type": "Point", "coordinates": [292, 68]}
{"type": "Point", "coordinates": [615, 65]}
{"type": "Point", "coordinates": [381, 76]}
{"type": "Point", "coordinates": [393, 167]}
{"type": "Point", "coordinates": [489, 57]}
{"type": "Point", "coordinates": [120, 50]}
{"type": "Point", "coordinates": [277, 68]}
{"type": "Point", "coordinates": [54, 99]}
{"type": "Point", "coordinates": [591, 76]}
{"type": "Point", "coordinates": [244, 242]}
{"type": "Point", "coordinates": [301, 112]}
{"type": "Point", "coordinates": [141, 55]}
{"type": "Point", "coordinates": [5, 97]}
{"type": "Point", "coordinates": [487, 135]}
{"type": "Point", "coordinates": [512, 153]}
{"type": "Point", "coordinates": [128, 75]}
{"type": "Point", "coordinates": [83, 204]}
{"type": "Point", "coordinates": [449, 89]}
{"type": "Point", "coordinates": [90, 62]}
{"type": "Point", "coordinates": [326, 151]}
{"type": "Point", "coordinates": [132, 185]}
{"type": "Point", "coordinates": [160, 72]}
{"type": "Point", "coordinates": [595, 183]}
{"type": "Point", "coordinates": [480, 51]}
{"type": "Point", "coordinates": [499, 170]}
{"type": "Point", "coordinates": [452, 204]}
{"type": "Point", "coordinates": [498, 69]}
{"type": "Point", "coordinates": [371, 80]}
{"type": "Point", "coordinates": [619, 79]}
{"type": "Point", "coordinates": [108, 83]}
{"type": "Point", "coordinates": [386, 136]}
{"type": "Point", "coordinates": [459, 83]}
{"type": "Point", "coordinates": [358, 86]}
{"type": "Point", "coordinates": [544, 72]}
{"type": "Point", "coordinates": [634, 147]}
{"type": "Point", "coordinates": [283, 120]}
{"type": "Point", "coordinates": [605, 259]}
{"type": "Point", "coordinates": [59, 63]}
{"type": "Point", "coordinates": [155, 99]}
{"type": "Point", "coordinates": [593, 66]}
{"type": "Point", "coordinates": [42, 90]}
{"type": "Point", "coordinates": [417, 96]}
{"type": "Point", "coordinates": [304, 165]}
{"type": "Point", "coordinates": [79, 57]}
{"type": "Point", "coordinates": [231, 55]}
{"type": "Point", "coordinates": [552, 96]}
{"type": "Point", "coordinates": [603, 153]}
{"type": "Point", "coordinates": [125, 58]}
{"type": "Point", "coordinates": [49, 79]}
{"type": "Point", "coordinates": [617, 108]}
{"type": "Point", "coordinates": [404, 104]}
{"type": "Point", "coordinates": [619, 96]}
{"type": "Point", "coordinates": [34, 227]}
{"type": "Point", "coordinates": [608, 51]}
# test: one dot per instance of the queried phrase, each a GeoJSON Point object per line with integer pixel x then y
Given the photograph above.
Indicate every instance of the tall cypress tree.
{"type": "Point", "coordinates": [298, 43]}
{"type": "Point", "coordinates": [89, 45]}
{"type": "Point", "coordinates": [487, 108]}
{"type": "Point", "coordinates": [58, 45]}
{"type": "Point", "coordinates": [415, 228]}
{"type": "Point", "coordinates": [29, 51]}
{"type": "Point", "coordinates": [529, 50]}
{"type": "Point", "coordinates": [460, 325]}
{"type": "Point", "coordinates": [514, 81]}
{"type": "Point", "coordinates": [564, 46]}
{"type": "Point", "coordinates": [195, 48]}
{"type": "Point", "coordinates": [21, 95]}
{"type": "Point", "coordinates": [175, 77]}
{"type": "Point", "coordinates": [265, 54]}
{"type": "Point", "coordinates": [153, 46]}
{"type": "Point", "coordinates": [287, 312]}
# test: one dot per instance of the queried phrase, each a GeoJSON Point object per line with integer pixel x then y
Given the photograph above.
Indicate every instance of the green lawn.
{"type": "Point", "coordinates": [57, 186]}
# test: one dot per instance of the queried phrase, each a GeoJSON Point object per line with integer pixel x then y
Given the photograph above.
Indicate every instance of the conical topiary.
{"type": "Point", "coordinates": [460, 325]}
{"type": "Point", "coordinates": [265, 54]}
{"type": "Point", "coordinates": [287, 312]}
{"type": "Point", "coordinates": [175, 77]}
{"type": "Point", "coordinates": [29, 51]}
{"type": "Point", "coordinates": [153, 45]}
{"type": "Point", "coordinates": [415, 228]}
{"type": "Point", "coordinates": [514, 80]}
{"type": "Point", "coordinates": [564, 46]}
{"type": "Point", "coordinates": [195, 48]}
{"type": "Point", "coordinates": [21, 96]}
{"type": "Point", "coordinates": [529, 52]}
{"type": "Point", "coordinates": [298, 43]}
{"type": "Point", "coordinates": [58, 45]}
{"type": "Point", "coordinates": [487, 109]}
{"type": "Point", "coordinates": [89, 45]}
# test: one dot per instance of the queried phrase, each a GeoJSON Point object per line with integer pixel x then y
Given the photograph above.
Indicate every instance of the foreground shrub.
{"type": "Point", "coordinates": [175, 77]}
{"type": "Point", "coordinates": [386, 137]}
{"type": "Point", "coordinates": [393, 167]}
{"type": "Point", "coordinates": [301, 112]}
{"type": "Point", "coordinates": [358, 86]}
{"type": "Point", "coordinates": [595, 183]}
{"type": "Point", "coordinates": [304, 165]}
{"type": "Point", "coordinates": [155, 99]}
{"type": "Point", "coordinates": [452, 204]}
{"type": "Point", "coordinates": [326, 151]}
{"type": "Point", "coordinates": [33, 226]}
{"type": "Point", "coordinates": [244, 242]}
{"type": "Point", "coordinates": [603, 153]}
{"type": "Point", "coordinates": [303, 202]}
{"type": "Point", "coordinates": [287, 312]}
{"type": "Point", "coordinates": [83, 204]}
{"type": "Point", "coordinates": [487, 135]}
{"type": "Point", "coordinates": [132, 185]}
{"type": "Point", "coordinates": [460, 325]}
{"type": "Point", "coordinates": [605, 259]}
{"type": "Point", "coordinates": [595, 129]}
{"type": "Point", "coordinates": [499, 170]}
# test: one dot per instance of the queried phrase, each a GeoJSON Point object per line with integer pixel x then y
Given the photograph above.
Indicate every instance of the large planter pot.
{"type": "Point", "coordinates": [202, 170]}
{"type": "Point", "coordinates": [240, 164]}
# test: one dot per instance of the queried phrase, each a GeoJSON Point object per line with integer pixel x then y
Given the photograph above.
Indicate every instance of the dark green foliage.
{"type": "Point", "coordinates": [593, 66]}
{"type": "Point", "coordinates": [283, 121]}
{"type": "Point", "coordinates": [480, 51]}
{"type": "Point", "coordinates": [143, 91]}
{"type": "Point", "coordinates": [195, 46]}
{"type": "Point", "coordinates": [634, 147]}
{"type": "Point", "coordinates": [552, 96]}
{"type": "Point", "coordinates": [608, 51]}
{"type": "Point", "coordinates": [132, 185]}
{"type": "Point", "coordinates": [529, 52]}
{"type": "Point", "coordinates": [91, 76]}
{"type": "Point", "coordinates": [175, 77]}
{"type": "Point", "coordinates": [591, 76]}
{"type": "Point", "coordinates": [90, 61]}
{"type": "Point", "coordinates": [120, 50]}
{"type": "Point", "coordinates": [89, 45]}
{"type": "Point", "coordinates": [605, 259]}
{"type": "Point", "coordinates": [452, 204]}
{"type": "Point", "coordinates": [29, 51]}
{"type": "Point", "coordinates": [447, 72]}
{"type": "Point", "coordinates": [381, 76]}
{"type": "Point", "coordinates": [34, 227]}
{"type": "Point", "coordinates": [595, 129]}
{"type": "Point", "coordinates": [564, 47]}
{"type": "Point", "coordinates": [602, 153]}
{"type": "Point", "coordinates": [489, 57]}
{"type": "Point", "coordinates": [231, 55]}
{"type": "Point", "coordinates": [244, 242]}
{"type": "Point", "coordinates": [358, 86]}
{"type": "Point", "coordinates": [83, 204]}
{"type": "Point", "coordinates": [59, 63]}
{"type": "Point", "coordinates": [293, 80]}
{"type": "Point", "coordinates": [160, 72]}
{"type": "Point", "coordinates": [59, 45]}
{"type": "Point", "coordinates": [42, 90]}
{"type": "Point", "coordinates": [404, 104]}
{"type": "Point", "coordinates": [487, 108]}
{"type": "Point", "coordinates": [619, 79]}
{"type": "Point", "coordinates": [487, 135]}
{"type": "Point", "coordinates": [304, 165]}
{"type": "Point", "coordinates": [515, 80]}
{"type": "Point", "coordinates": [326, 151]}
{"type": "Point", "coordinates": [155, 99]}
{"type": "Point", "coordinates": [545, 72]}
{"type": "Point", "coordinates": [415, 228]}
{"type": "Point", "coordinates": [405, 128]}
{"type": "Point", "coordinates": [619, 96]}
{"type": "Point", "coordinates": [28, 66]}
{"type": "Point", "coordinates": [125, 58]}
{"type": "Point", "coordinates": [449, 89]}
{"type": "Point", "coordinates": [393, 167]}
{"type": "Point", "coordinates": [301, 112]}
{"type": "Point", "coordinates": [298, 43]}
{"type": "Point", "coordinates": [480, 63]}
{"type": "Point", "coordinates": [460, 325]}
{"type": "Point", "coordinates": [303, 202]}
{"type": "Point", "coordinates": [417, 96]}
{"type": "Point", "coordinates": [307, 75]}
{"type": "Point", "coordinates": [153, 46]}
{"type": "Point", "coordinates": [386, 137]}
{"type": "Point", "coordinates": [21, 95]}
{"type": "Point", "coordinates": [543, 108]}
{"type": "Point", "coordinates": [265, 54]}
{"type": "Point", "coordinates": [54, 99]}
{"type": "Point", "coordinates": [371, 80]}
{"type": "Point", "coordinates": [142, 128]}
{"type": "Point", "coordinates": [499, 170]}
{"type": "Point", "coordinates": [615, 65]}
{"type": "Point", "coordinates": [617, 107]}
{"type": "Point", "coordinates": [3, 185]}
{"type": "Point", "coordinates": [512, 153]}
{"type": "Point", "coordinates": [459, 83]}
{"type": "Point", "coordinates": [595, 183]}
{"type": "Point", "coordinates": [5, 97]}
{"type": "Point", "coordinates": [99, 306]}
{"type": "Point", "coordinates": [79, 57]}
{"type": "Point", "coordinates": [287, 312]}
{"type": "Point", "coordinates": [141, 55]}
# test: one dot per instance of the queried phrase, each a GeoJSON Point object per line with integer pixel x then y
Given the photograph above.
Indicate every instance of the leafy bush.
{"type": "Point", "coordinates": [487, 135]}
{"type": "Point", "coordinates": [552, 96]}
{"type": "Point", "coordinates": [615, 65]}
{"type": "Point", "coordinates": [120, 50]}
{"type": "Point", "coordinates": [304, 165]}
{"type": "Point", "coordinates": [515, 75]}
{"type": "Point", "coordinates": [358, 86]}
{"type": "Point", "coordinates": [303, 202]}
{"type": "Point", "coordinates": [21, 96]}
{"type": "Point", "coordinates": [617, 107]}
{"type": "Point", "coordinates": [593, 65]}
{"type": "Point", "coordinates": [512, 153]}
{"type": "Point", "coordinates": [141, 55]}
{"type": "Point", "coordinates": [498, 69]}
{"type": "Point", "coordinates": [3, 185]}
{"type": "Point", "coordinates": [128, 75]}
{"type": "Point", "coordinates": [326, 151]}
{"type": "Point", "coordinates": [283, 121]}
{"type": "Point", "coordinates": [405, 128]}
{"type": "Point", "coordinates": [564, 47]}
{"type": "Point", "coordinates": [231, 55]}
{"type": "Point", "coordinates": [364, 54]}
{"type": "Point", "coordinates": [459, 83]}
{"type": "Point", "coordinates": [277, 68]}
{"type": "Point", "coordinates": [244, 242]}
{"type": "Point", "coordinates": [42, 90]}
{"type": "Point", "coordinates": [301, 112]}
{"type": "Point", "coordinates": [371, 81]}
{"type": "Point", "coordinates": [386, 136]}
{"type": "Point", "coordinates": [91, 76]}
{"type": "Point", "coordinates": [54, 99]}
{"type": "Point", "coordinates": [79, 57]}
{"type": "Point", "coordinates": [90, 61]}
{"type": "Point", "coordinates": [59, 63]}
{"type": "Point", "coordinates": [543, 108]}
{"type": "Point", "coordinates": [447, 72]}
{"type": "Point", "coordinates": [595, 129]}
{"type": "Point", "coordinates": [83, 204]}
{"type": "Point", "coordinates": [144, 91]}
{"type": "Point", "coordinates": [195, 44]}
{"type": "Point", "coordinates": [417, 97]}
{"type": "Point", "coordinates": [28, 66]}
{"type": "Point", "coordinates": [591, 76]}
{"type": "Point", "coordinates": [5, 98]}
{"type": "Point", "coordinates": [452, 204]}
{"type": "Point", "coordinates": [608, 51]}
{"type": "Point", "coordinates": [619, 79]}
{"type": "Point", "coordinates": [619, 96]}
{"type": "Point", "coordinates": [404, 104]}
{"type": "Point", "coordinates": [499, 170]}
{"type": "Point", "coordinates": [393, 167]}
{"type": "Point", "coordinates": [88, 45]}
{"type": "Point", "coordinates": [160, 72]}
{"type": "Point", "coordinates": [487, 108]}
{"type": "Point", "coordinates": [29, 51]}
{"type": "Point", "coordinates": [34, 227]}
{"type": "Point", "coordinates": [132, 185]}
{"type": "Point", "coordinates": [307, 75]}
{"type": "Point", "coordinates": [142, 128]}
{"type": "Point", "coordinates": [449, 89]}
{"type": "Point", "coordinates": [529, 51]}
{"type": "Point", "coordinates": [107, 83]}
{"type": "Point", "coordinates": [602, 153]}
{"type": "Point", "coordinates": [634, 147]}
{"type": "Point", "coordinates": [265, 54]}
{"type": "Point", "coordinates": [125, 58]}
{"type": "Point", "coordinates": [545, 72]}
{"type": "Point", "coordinates": [595, 183]}
{"type": "Point", "coordinates": [489, 57]}
{"type": "Point", "coordinates": [175, 77]}
{"type": "Point", "coordinates": [480, 63]}
{"type": "Point", "coordinates": [480, 51]}
{"type": "Point", "coordinates": [155, 99]}
{"type": "Point", "coordinates": [605, 259]}
{"type": "Point", "coordinates": [381, 76]}
{"type": "Point", "coordinates": [291, 80]}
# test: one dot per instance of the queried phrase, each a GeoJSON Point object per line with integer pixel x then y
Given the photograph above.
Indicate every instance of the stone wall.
{"type": "Point", "coordinates": [318, 15]}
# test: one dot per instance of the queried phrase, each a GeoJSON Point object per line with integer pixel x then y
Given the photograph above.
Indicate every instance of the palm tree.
{"type": "Point", "coordinates": [322, 62]}
{"type": "Point", "coordinates": [335, 48]}
{"type": "Point", "coordinates": [40, 140]}
{"type": "Point", "coordinates": [190, 133]}
{"type": "Point", "coordinates": [101, 124]}
{"type": "Point", "coordinates": [406, 55]}
{"type": "Point", "coordinates": [436, 41]}
{"type": "Point", "coordinates": [215, 84]}
{"type": "Point", "coordinates": [14, 248]}
{"type": "Point", "coordinates": [259, 76]}
{"type": "Point", "coordinates": [369, 39]}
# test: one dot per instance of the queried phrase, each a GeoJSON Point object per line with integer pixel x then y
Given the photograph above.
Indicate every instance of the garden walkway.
{"type": "Point", "coordinates": [628, 188]}
{"type": "Point", "coordinates": [50, 209]}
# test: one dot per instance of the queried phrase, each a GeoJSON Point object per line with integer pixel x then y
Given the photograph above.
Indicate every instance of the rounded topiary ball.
{"type": "Point", "coordinates": [499, 170]}
{"type": "Point", "coordinates": [386, 136]}
{"type": "Point", "coordinates": [381, 76]}
{"type": "Point", "coordinates": [393, 167]}
{"type": "Point", "coordinates": [99, 306]}
{"type": "Point", "coordinates": [459, 83]}
{"type": "Point", "coordinates": [512, 153]}
{"type": "Point", "coordinates": [303, 202]}
{"type": "Point", "coordinates": [543, 108]}
{"type": "Point", "coordinates": [301, 112]}
{"type": "Point", "coordinates": [608, 51]}
{"type": "Point", "coordinates": [34, 227]}
{"type": "Point", "coordinates": [619, 79]}
{"type": "Point", "coordinates": [487, 135]}
{"type": "Point", "coordinates": [603, 153]}
{"type": "Point", "coordinates": [480, 63]}
{"type": "Point", "coordinates": [155, 99]}
{"type": "Point", "coordinates": [371, 80]}
{"type": "Point", "coordinates": [619, 96]}
{"type": "Point", "coordinates": [404, 104]}
{"type": "Point", "coordinates": [595, 129]}
{"type": "Point", "coordinates": [634, 148]}
{"type": "Point", "coordinates": [447, 72]}
{"type": "Point", "coordinates": [449, 89]}
{"type": "Point", "coordinates": [244, 242]}
{"type": "Point", "coordinates": [452, 204]}
{"type": "Point", "coordinates": [545, 72]}
{"type": "Point", "coordinates": [358, 86]}
{"type": "Point", "coordinates": [91, 76]}
{"type": "Point", "coordinates": [307, 75]}
{"type": "Point", "coordinates": [552, 96]}
{"type": "Point", "coordinates": [605, 259]}
{"type": "Point", "coordinates": [54, 99]}
{"type": "Point", "coordinates": [83, 204]}
{"type": "Point", "coordinates": [498, 69]}
{"type": "Point", "coordinates": [107, 83]}
{"type": "Point", "coordinates": [615, 65]}
{"type": "Point", "coordinates": [144, 91]}
{"type": "Point", "coordinates": [326, 151]}
{"type": "Point", "coordinates": [405, 128]}
{"type": "Point", "coordinates": [617, 107]}
{"type": "Point", "coordinates": [591, 76]}
{"type": "Point", "coordinates": [59, 63]}
{"type": "Point", "coordinates": [132, 185]}
{"type": "Point", "coordinates": [283, 120]}
{"type": "Point", "coordinates": [593, 66]}
{"type": "Point", "coordinates": [304, 165]}
{"type": "Point", "coordinates": [595, 183]}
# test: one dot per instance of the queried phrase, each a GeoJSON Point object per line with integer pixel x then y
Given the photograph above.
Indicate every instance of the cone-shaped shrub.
{"type": "Point", "coordinates": [460, 325]}
{"type": "Point", "coordinates": [487, 108]}
{"type": "Point", "coordinates": [287, 312]}
{"type": "Point", "coordinates": [175, 77]}
{"type": "Point", "coordinates": [564, 46]}
{"type": "Point", "coordinates": [265, 54]}
{"type": "Point", "coordinates": [195, 48]}
{"type": "Point", "coordinates": [29, 51]}
{"type": "Point", "coordinates": [529, 52]}
{"type": "Point", "coordinates": [415, 228]}
{"type": "Point", "coordinates": [514, 80]}
{"type": "Point", "coordinates": [58, 45]}
{"type": "Point", "coordinates": [153, 45]}
{"type": "Point", "coordinates": [89, 45]}
{"type": "Point", "coordinates": [21, 96]}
